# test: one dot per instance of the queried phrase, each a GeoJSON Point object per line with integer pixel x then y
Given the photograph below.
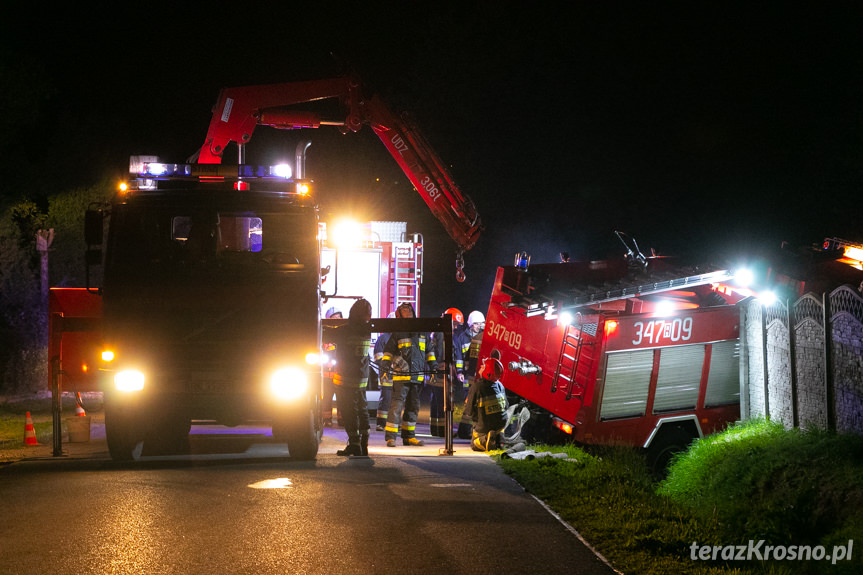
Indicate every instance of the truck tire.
{"type": "Point", "coordinates": [301, 436]}
{"type": "Point", "coordinates": [669, 441]}
{"type": "Point", "coordinates": [121, 433]}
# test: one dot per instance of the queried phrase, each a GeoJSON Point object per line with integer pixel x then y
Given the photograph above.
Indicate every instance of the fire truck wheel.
{"type": "Point", "coordinates": [121, 433]}
{"type": "Point", "coordinates": [300, 435]}
{"type": "Point", "coordinates": [669, 441]}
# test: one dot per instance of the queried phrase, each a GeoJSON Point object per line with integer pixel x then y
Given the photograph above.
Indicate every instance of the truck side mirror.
{"type": "Point", "coordinates": [93, 226]}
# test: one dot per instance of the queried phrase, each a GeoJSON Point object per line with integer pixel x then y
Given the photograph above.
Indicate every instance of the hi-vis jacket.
{"type": "Point", "coordinates": [406, 354]}
{"type": "Point", "coordinates": [353, 344]}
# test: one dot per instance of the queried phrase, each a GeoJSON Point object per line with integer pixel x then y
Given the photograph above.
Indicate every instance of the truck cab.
{"type": "Point", "coordinates": [211, 306]}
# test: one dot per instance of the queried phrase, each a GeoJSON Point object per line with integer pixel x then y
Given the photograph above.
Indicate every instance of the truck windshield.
{"type": "Point", "coordinates": [144, 241]}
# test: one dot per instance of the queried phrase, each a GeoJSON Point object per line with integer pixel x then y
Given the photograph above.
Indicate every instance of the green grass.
{"type": "Point", "coordinates": [787, 487]}
{"type": "Point", "coordinates": [755, 481]}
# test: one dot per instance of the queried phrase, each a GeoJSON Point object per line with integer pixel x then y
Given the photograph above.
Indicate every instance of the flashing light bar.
{"type": "Point", "coordinates": [156, 170]}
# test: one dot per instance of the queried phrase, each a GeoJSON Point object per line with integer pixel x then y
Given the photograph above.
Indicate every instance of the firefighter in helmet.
{"type": "Point", "coordinates": [460, 346]}
{"type": "Point", "coordinates": [475, 329]}
{"type": "Point", "coordinates": [437, 417]}
{"type": "Point", "coordinates": [352, 376]}
{"type": "Point", "coordinates": [405, 356]}
{"type": "Point", "coordinates": [486, 406]}
{"type": "Point", "coordinates": [328, 372]}
{"type": "Point", "coordinates": [385, 382]}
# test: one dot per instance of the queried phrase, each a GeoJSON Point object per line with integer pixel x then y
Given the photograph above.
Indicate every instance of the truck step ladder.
{"type": "Point", "coordinates": [567, 365]}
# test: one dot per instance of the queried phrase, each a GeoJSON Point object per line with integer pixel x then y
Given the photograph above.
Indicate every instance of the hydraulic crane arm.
{"type": "Point", "coordinates": [240, 110]}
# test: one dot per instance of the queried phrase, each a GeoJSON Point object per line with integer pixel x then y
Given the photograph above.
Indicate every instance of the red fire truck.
{"type": "Point", "coordinates": [214, 277]}
{"type": "Point", "coordinates": [641, 352]}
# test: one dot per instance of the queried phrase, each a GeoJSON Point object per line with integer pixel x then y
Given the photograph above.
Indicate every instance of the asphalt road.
{"type": "Point", "coordinates": [238, 504]}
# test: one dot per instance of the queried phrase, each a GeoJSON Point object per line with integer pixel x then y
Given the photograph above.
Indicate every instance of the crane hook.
{"type": "Point", "coordinates": [459, 268]}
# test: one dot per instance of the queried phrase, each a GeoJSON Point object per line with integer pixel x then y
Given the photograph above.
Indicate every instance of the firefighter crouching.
{"type": "Point", "coordinates": [405, 356]}
{"type": "Point", "coordinates": [352, 376]}
{"type": "Point", "coordinates": [486, 405]}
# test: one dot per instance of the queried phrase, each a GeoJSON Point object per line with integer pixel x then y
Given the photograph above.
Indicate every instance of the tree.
{"type": "Point", "coordinates": [23, 317]}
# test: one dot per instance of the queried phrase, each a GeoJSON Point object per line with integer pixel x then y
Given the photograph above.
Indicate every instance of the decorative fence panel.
{"type": "Point", "coordinates": [802, 362]}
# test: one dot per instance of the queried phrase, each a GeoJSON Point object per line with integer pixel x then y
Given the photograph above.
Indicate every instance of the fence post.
{"type": "Point", "coordinates": [828, 362]}
{"type": "Point", "coordinates": [792, 360]}
{"type": "Point", "coordinates": [744, 361]}
{"type": "Point", "coordinates": [764, 361]}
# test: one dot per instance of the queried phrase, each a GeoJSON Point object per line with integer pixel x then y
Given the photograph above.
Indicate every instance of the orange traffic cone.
{"type": "Point", "coordinates": [79, 408]}
{"type": "Point", "coordinates": [29, 432]}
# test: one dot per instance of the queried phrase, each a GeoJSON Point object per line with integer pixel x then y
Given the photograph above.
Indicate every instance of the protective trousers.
{"type": "Point", "coordinates": [354, 411]}
{"type": "Point", "coordinates": [386, 388]}
{"type": "Point", "coordinates": [437, 417]}
{"type": "Point", "coordinates": [406, 397]}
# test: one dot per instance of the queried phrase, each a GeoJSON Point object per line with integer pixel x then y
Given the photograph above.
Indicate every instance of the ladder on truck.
{"type": "Point", "coordinates": [407, 274]}
{"type": "Point", "coordinates": [567, 364]}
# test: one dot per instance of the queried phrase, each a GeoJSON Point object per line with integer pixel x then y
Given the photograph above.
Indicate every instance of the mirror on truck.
{"type": "Point", "coordinates": [93, 232]}
{"type": "Point", "coordinates": [93, 226]}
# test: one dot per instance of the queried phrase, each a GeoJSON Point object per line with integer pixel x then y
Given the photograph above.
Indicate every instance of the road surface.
{"type": "Point", "coordinates": [238, 504]}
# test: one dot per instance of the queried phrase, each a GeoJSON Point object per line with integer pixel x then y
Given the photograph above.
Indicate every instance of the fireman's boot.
{"type": "Point", "coordinates": [413, 441]}
{"type": "Point", "coordinates": [364, 444]}
{"type": "Point", "coordinates": [350, 449]}
{"type": "Point", "coordinates": [464, 430]}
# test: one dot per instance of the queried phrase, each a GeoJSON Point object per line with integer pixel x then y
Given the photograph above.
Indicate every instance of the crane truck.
{"type": "Point", "coordinates": [212, 273]}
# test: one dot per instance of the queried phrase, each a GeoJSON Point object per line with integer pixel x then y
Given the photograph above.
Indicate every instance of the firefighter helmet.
{"type": "Point", "coordinates": [475, 317]}
{"type": "Point", "coordinates": [333, 311]}
{"type": "Point", "coordinates": [456, 314]}
{"type": "Point", "coordinates": [491, 369]}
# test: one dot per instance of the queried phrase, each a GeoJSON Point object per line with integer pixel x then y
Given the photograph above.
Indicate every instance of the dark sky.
{"type": "Point", "coordinates": [695, 129]}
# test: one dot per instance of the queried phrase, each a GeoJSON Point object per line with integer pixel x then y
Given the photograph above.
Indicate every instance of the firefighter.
{"type": "Point", "coordinates": [460, 346]}
{"type": "Point", "coordinates": [437, 417]}
{"type": "Point", "coordinates": [486, 405]}
{"type": "Point", "coordinates": [475, 327]}
{"type": "Point", "coordinates": [385, 382]}
{"type": "Point", "coordinates": [352, 376]}
{"type": "Point", "coordinates": [328, 372]}
{"type": "Point", "coordinates": [405, 357]}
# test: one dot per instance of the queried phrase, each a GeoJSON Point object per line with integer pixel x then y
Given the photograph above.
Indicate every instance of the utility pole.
{"type": "Point", "coordinates": [43, 242]}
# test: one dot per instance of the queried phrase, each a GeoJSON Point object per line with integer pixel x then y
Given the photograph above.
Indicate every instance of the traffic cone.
{"type": "Point", "coordinates": [79, 408]}
{"type": "Point", "coordinates": [29, 432]}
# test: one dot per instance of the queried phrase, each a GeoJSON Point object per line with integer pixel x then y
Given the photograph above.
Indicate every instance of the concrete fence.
{"type": "Point", "coordinates": [802, 362]}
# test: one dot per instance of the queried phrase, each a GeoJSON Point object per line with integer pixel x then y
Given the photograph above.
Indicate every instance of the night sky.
{"type": "Point", "coordinates": [697, 130]}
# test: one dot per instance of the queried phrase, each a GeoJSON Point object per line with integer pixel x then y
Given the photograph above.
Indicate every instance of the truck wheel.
{"type": "Point", "coordinates": [666, 444]}
{"type": "Point", "coordinates": [301, 436]}
{"type": "Point", "coordinates": [120, 433]}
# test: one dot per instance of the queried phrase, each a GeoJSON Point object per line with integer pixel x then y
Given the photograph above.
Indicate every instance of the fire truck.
{"type": "Point", "coordinates": [214, 275]}
{"type": "Point", "coordinates": [636, 351]}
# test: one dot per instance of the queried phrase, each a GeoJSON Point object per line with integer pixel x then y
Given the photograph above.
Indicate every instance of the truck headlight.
{"type": "Point", "coordinates": [129, 380]}
{"type": "Point", "coordinates": [289, 383]}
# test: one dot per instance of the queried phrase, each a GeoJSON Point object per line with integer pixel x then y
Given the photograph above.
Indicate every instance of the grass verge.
{"type": "Point", "coordinates": [756, 481]}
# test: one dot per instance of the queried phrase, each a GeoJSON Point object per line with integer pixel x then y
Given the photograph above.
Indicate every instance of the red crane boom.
{"type": "Point", "coordinates": [240, 110]}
